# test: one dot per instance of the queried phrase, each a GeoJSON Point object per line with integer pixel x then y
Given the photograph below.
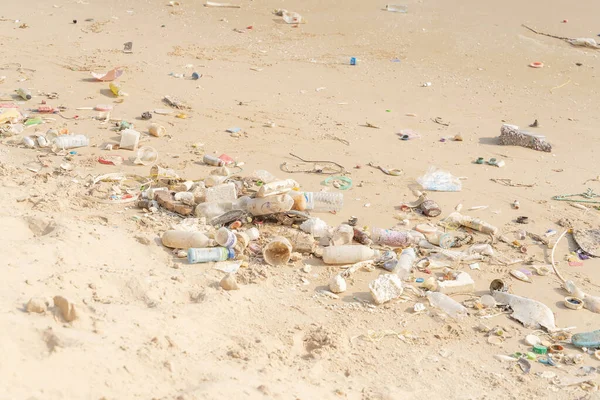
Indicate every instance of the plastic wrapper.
{"type": "Point", "coordinates": [439, 180]}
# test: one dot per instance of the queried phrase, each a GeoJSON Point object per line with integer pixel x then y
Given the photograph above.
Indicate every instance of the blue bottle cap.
{"type": "Point", "coordinates": [231, 253]}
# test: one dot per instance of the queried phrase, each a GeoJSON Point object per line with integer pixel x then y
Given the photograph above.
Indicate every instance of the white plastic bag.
{"type": "Point", "coordinates": [439, 180]}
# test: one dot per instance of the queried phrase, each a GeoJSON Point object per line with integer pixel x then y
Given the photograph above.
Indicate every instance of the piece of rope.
{"type": "Point", "coordinates": [589, 194]}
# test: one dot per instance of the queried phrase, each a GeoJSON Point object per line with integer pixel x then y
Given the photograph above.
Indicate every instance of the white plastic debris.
{"type": "Point", "coordinates": [385, 288]}
{"type": "Point", "coordinates": [530, 313]}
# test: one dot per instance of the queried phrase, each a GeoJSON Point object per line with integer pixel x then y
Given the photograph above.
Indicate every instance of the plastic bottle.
{"type": "Point", "coordinates": [184, 240]}
{"type": "Point", "coordinates": [348, 254]}
{"type": "Point", "coordinates": [446, 304]}
{"type": "Point", "coordinates": [471, 222]}
{"type": "Point", "coordinates": [405, 263]}
{"type": "Point", "coordinates": [277, 187]}
{"type": "Point", "coordinates": [211, 254]}
{"type": "Point", "coordinates": [212, 160]}
{"type": "Point", "coordinates": [224, 237]}
{"type": "Point", "coordinates": [324, 201]}
{"type": "Point", "coordinates": [392, 238]}
{"type": "Point", "coordinates": [210, 210]}
{"type": "Point", "coordinates": [396, 8]}
{"type": "Point", "coordinates": [270, 205]}
{"type": "Point", "coordinates": [24, 93]}
{"type": "Point", "coordinates": [71, 141]}
{"type": "Point", "coordinates": [299, 200]}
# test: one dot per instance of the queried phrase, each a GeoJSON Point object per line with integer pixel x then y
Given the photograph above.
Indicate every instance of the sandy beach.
{"type": "Point", "coordinates": [150, 325]}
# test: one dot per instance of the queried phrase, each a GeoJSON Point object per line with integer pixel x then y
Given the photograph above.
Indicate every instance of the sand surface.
{"type": "Point", "coordinates": [151, 326]}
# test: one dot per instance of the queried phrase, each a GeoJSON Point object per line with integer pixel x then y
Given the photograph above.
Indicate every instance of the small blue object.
{"type": "Point", "coordinates": [352, 60]}
{"type": "Point", "coordinates": [234, 130]}
{"type": "Point", "coordinates": [419, 280]}
{"type": "Point", "coordinates": [72, 152]}
{"type": "Point", "coordinates": [196, 76]}
{"type": "Point", "coordinates": [395, 60]}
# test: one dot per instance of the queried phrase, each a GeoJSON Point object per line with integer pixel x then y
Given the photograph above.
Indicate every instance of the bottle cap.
{"type": "Point", "coordinates": [231, 253]}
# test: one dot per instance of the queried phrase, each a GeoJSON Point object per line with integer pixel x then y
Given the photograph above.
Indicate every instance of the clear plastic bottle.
{"type": "Point", "coordinates": [348, 254]}
{"type": "Point", "coordinates": [211, 254]}
{"type": "Point", "coordinates": [184, 240]}
{"type": "Point", "coordinates": [446, 304]}
{"type": "Point", "coordinates": [71, 141]}
{"type": "Point", "coordinates": [277, 187]}
{"type": "Point", "coordinates": [471, 222]}
{"type": "Point", "coordinates": [324, 201]}
{"type": "Point", "coordinates": [210, 210]}
{"type": "Point", "coordinates": [270, 205]}
{"type": "Point", "coordinates": [405, 263]}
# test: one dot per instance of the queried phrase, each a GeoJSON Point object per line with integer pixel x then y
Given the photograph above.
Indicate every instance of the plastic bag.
{"type": "Point", "coordinates": [439, 180]}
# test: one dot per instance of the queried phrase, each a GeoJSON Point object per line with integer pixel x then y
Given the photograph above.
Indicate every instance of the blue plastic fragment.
{"type": "Point", "coordinates": [234, 130]}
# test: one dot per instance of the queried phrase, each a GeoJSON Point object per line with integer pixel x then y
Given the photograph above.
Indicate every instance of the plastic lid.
{"type": "Point", "coordinates": [539, 349]}
{"type": "Point", "coordinates": [231, 253]}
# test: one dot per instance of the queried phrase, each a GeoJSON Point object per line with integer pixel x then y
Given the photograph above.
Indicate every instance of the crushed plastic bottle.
{"type": "Point", "coordinates": [446, 304]}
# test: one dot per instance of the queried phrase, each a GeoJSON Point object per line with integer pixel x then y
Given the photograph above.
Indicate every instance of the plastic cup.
{"type": "Point", "coordinates": [224, 237]}
{"type": "Point", "coordinates": [146, 155]}
{"type": "Point", "coordinates": [157, 130]}
{"type": "Point", "coordinates": [253, 233]}
{"type": "Point", "coordinates": [278, 251]}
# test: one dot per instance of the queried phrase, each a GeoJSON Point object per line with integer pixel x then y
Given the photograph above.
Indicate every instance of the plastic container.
{"type": "Point", "coordinates": [277, 187]}
{"type": "Point", "coordinates": [212, 160]}
{"type": "Point", "coordinates": [299, 200]}
{"type": "Point", "coordinates": [24, 93]}
{"type": "Point", "coordinates": [278, 251]}
{"type": "Point", "coordinates": [157, 172]}
{"type": "Point", "coordinates": [71, 141]}
{"type": "Point", "coordinates": [446, 304]}
{"type": "Point", "coordinates": [316, 227]}
{"type": "Point", "coordinates": [292, 17]}
{"type": "Point", "coordinates": [129, 139]}
{"type": "Point", "coordinates": [270, 205]}
{"type": "Point", "coordinates": [116, 89]}
{"type": "Point", "coordinates": [396, 8]}
{"type": "Point", "coordinates": [212, 254]}
{"type": "Point", "coordinates": [253, 233]}
{"type": "Point", "coordinates": [392, 238]}
{"type": "Point", "coordinates": [184, 240]}
{"type": "Point", "coordinates": [405, 263]}
{"type": "Point", "coordinates": [264, 176]}
{"type": "Point", "coordinates": [430, 208]}
{"type": "Point", "coordinates": [324, 201]}
{"type": "Point", "coordinates": [343, 234]}
{"type": "Point", "coordinates": [214, 180]}
{"type": "Point", "coordinates": [157, 130]}
{"type": "Point", "coordinates": [146, 155]}
{"type": "Point", "coordinates": [224, 237]}
{"type": "Point", "coordinates": [462, 283]}
{"type": "Point", "coordinates": [220, 193]}
{"type": "Point", "coordinates": [348, 254]}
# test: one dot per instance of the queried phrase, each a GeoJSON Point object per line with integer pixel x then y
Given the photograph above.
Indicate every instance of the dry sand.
{"type": "Point", "coordinates": [151, 326]}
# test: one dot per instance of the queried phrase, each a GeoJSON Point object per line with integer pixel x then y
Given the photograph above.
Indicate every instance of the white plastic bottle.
{"type": "Point", "coordinates": [446, 304]}
{"type": "Point", "coordinates": [270, 205]}
{"type": "Point", "coordinates": [71, 141]}
{"type": "Point", "coordinates": [277, 187]}
{"type": "Point", "coordinates": [226, 238]}
{"type": "Point", "coordinates": [324, 201]}
{"type": "Point", "coordinates": [405, 263]}
{"type": "Point", "coordinates": [184, 240]}
{"type": "Point", "coordinates": [347, 254]}
{"type": "Point", "coordinates": [211, 254]}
